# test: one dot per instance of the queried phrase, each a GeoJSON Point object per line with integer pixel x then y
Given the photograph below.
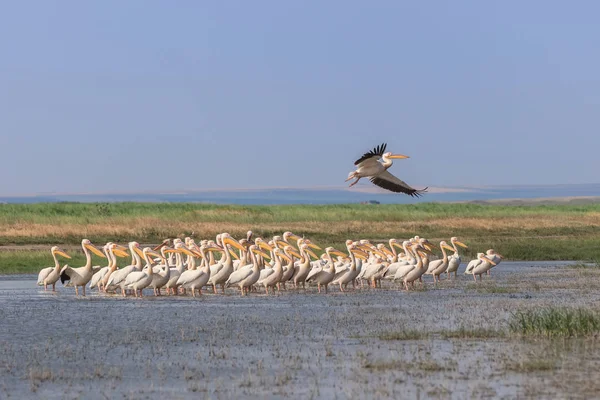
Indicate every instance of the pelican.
{"type": "Point", "coordinates": [369, 166]}
{"type": "Point", "coordinates": [51, 275]}
{"type": "Point", "coordinates": [289, 268]}
{"type": "Point", "coordinates": [196, 277]}
{"type": "Point", "coordinates": [302, 269]}
{"type": "Point", "coordinates": [438, 267]}
{"type": "Point", "coordinates": [324, 276]}
{"type": "Point", "coordinates": [454, 260]}
{"type": "Point", "coordinates": [348, 273]}
{"type": "Point", "coordinates": [82, 275]}
{"type": "Point", "coordinates": [117, 278]}
{"type": "Point", "coordinates": [219, 272]}
{"type": "Point", "coordinates": [161, 273]}
{"type": "Point", "coordinates": [139, 280]}
{"type": "Point", "coordinates": [247, 275]}
{"type": "Point", "coordinates": [495, 257]}
{"type": "Point", "coordinates": [484, 265]}
{"type": "Point", "coordinates": [408, 259]}
{"type": "Point", "coordinates": [111, 250]}
{"type": "Point", "coordinates": [176, 272]}
{"type": "Point", "coordinates": [419, 269]}
{"type": "Point", "coordinates": [269, 277]}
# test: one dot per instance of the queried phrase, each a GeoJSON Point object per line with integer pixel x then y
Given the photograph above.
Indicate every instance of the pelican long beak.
{"type": "Point", "coordinates": [260, 253]}
{"type": "Point", "coordinates": [265, 245]}
{"type": "Point", "coordinates": [95, 250]}
{"type": "Point", "coordinates": [388, 252]}
{"type": "Point", "coordinates": [338, 253]}
{"type": "Point", "coordinates": [312, 254]}
{"type": "Point", "coordinates": [233, 254]}
{"type": "Point", "coordinates": [120, 253]}
{"type": "Point", "coordinates": [398, 156]}
{"type": "Point", "coordinates": [138, 251]}
{"type": "Point", "coordinates": [488, 260]}
{"type": "Point", "coordinates": [448, 247]}
{"type": "Point", "coordinates": [425, 250]}
{"type": "Point", "coordinates": [461, 244]}
{"type": "Point", "coordinates": [294, 253]}
{"type": "Point", "coordinates": [62, 253]}
{"type": "Point", "coordinates": [119, 247]}
{"type": "Point", "coordinates": [360, 254]}
{"type": "Point", "coordinates": [285, 256]}
{"type": "Point", "coordinates": [197, 253]}
{"type": "Point", "coordinates": [281, 243]}
{"type": "Point", "coordinates": [233, 242]}
{"type": "Point", "coordinates": [163, 244]}
{"type": "Point", "coordinates": [398, 245]}
{"type": "Point", "coordinates": [312, 245]}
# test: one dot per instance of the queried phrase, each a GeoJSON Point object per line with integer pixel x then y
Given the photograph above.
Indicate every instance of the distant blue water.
{"type": "Point", "coordinates": [333, 196]}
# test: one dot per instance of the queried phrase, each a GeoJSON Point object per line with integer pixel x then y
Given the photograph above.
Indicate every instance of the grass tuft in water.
{"type": "Point", "coordinates": [403, 335]}
{"type": "Point", "coordinates": [556, 322]}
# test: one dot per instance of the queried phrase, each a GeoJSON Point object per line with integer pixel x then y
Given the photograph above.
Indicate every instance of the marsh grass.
{"type": "Point", "coordinates": [535, 365]}
{"type": "Point", "coordinates": [490, 288]}
{"type": "Point", "coordinates": [403, 335]}
{"type": "Point", "coordinates": [557, 232]}
{"type": "Point", "coordinates": [556, 322]}
{"type": "Point", "coordinates": [475, 333]}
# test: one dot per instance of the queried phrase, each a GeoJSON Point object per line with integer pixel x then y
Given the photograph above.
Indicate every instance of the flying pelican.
{"type": "Point", "coordinates": [369, 166]}
{"type": "Point", "coordinates": [51, 275]}
{"type": "Point", "coordinates": [82, 275]}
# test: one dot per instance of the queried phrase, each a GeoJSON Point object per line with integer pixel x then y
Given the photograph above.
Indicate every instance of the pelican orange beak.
{"type": "Point", "coordinates": [294, 236]}
{"type": "Point", "coordinates": [360, 254]}
{"type": "Point", "coordinates": [285, 256]}
{"type": "Point", "coordinates": [398, 156]}
{"type": "Point", "coordinates": [62, 253]}
{"type": "Point", "coordinates": [281, 243]}
{"type": "Point", "coordinates": [265, 246]}
{"type": "Point", "coordinates": [461, 244]}
{"type": "Point", "coordinates": [448, 247]}
{"type": "Point", "coordinates": [425, 250]}
{"type": "Point", "coordinates": [312, 245]}
{"type": "Point", "coordinates": [138, 251]}
{"type": "Point", "coordinates": [163, 244]}
{"type": "Point", "coordinates": [398, 245]}
{"type": "Point", "coordinates": [312, 254]}
{"type": "Point", "coordinates": [197, 253]}
{"type": "Point", "coordinates": [294, 253]}
{"type": "Point", "coordinates": [233, 242]}
{"type": "Point", "coordinates": [488, 260]}
{"type": "Point", "coordinates": [260, 253]}
{"type": "Point", "coordinates": [120, 253]}
{"type": "Point", "coordinates": [95, 250]}
{"type": "Point", "coordinates": [119, 247]}
{"type": "Point", "coordinates": [187, 252]}
{"type": "Point", "coordinates": [233, 254]}
{"type": "Point", "coordinates": [337, 253]}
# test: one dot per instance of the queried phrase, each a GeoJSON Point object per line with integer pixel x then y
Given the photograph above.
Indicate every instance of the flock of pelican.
{"type": "Point", "coordinates": [183, 266]}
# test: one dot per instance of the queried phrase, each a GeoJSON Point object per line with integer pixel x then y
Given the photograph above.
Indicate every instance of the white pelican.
{"type": "Point", "coordinates": [111, 250]}
{"type": "Point", "coordinates": [325, 275]}
{"type": "Point", "coordinates": [219, 272]}
{"type": "Point", "coordinates": [454, 260]}
{"type": "Point", "coordinates": [82, 275]}
{"type": "Point", "coordinates": [176, 272]}
{"type": "Point", "coordinates": [269, 277]}
{"type": "Point", "coordinates": [495, 257]}
{"type": "Point", "coordinates": [348, 273]}
{"type": "Point", "coordinates": [484, 265]}
{"type": "Point", "coordinates": [302, 268]}
{"type": "Point", "coordinates": [369, 166]}
{"type": "Point", "coordinates": [195, 278]}
{"type": "Point", "coordinates": [139, 280]}
{"type": "Point", "coordinates": [408, 259]}
{"type": "Point", "coordinates": [117, 278]}
{"type": "Point", "coordinates": [419, 269]}
{"type": "Point", "coordinates": [247, 275]}
{"type": "Point", "coordinates": [161, 273]}
{"type": "Point", "coordinates": [438, 267]}
{"type": "Point", "coordinates": [51, 275]}
{"type": "Point", "coordinates": [289, 268]}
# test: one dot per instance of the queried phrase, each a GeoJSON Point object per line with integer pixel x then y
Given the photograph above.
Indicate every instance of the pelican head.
{"type": "Point", "coordinates": [455, 240]}
{"type": "Point", "coordinates": [57, 250]}
{"type": "Point", "coordinates": [391, 155]}
{"type": "Point", "coordinates": [492, 252]}
{"type": "Point", "coordinates": [484, 258]}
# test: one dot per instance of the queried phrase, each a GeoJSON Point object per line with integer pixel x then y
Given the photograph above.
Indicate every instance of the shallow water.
{"type": "Point", "coordinates": [301, 344]}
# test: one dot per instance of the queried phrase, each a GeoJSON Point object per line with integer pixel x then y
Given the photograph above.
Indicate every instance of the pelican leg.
{"type": "Point", "coordinates": [326, 288]}
{"type": "Point", "coordinates": [319, 287]}
{"type": "Point", "coordinates": [76, 291]}
{"type": "Point", "coordinates": [215, 288]}
{"type": "Point", "coordinates": [489, 272]}
{"type": "Point", "coordinates": [45, 286]}
{"type": "Point", "coordinates": [54, 287]}
{"type": "Point", "coordinates": [341, 288]}
{"type": "Point", "coordinates": [200, 292]}
{"type": "Point", "coordinates": [223, 288]}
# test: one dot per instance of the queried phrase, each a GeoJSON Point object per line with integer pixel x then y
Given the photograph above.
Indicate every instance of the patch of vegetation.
{"type": "Point", "coordinates": [403, 335]}
{"type": "Point", "coordinates": [492, 289]}
{"type": "Point", "coordinates": [477, 333]}
{"type": "Point", "coordinates": [556, 322]}
{"type": "Point", "coordinates": [532, 365]}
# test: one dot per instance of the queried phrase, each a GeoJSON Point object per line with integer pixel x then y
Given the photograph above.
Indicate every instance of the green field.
{"type": "Point", "coordinates": [526, 232]}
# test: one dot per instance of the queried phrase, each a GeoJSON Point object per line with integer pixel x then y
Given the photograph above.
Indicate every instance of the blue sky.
{"type": "Point", "coordinates": [161, 95]}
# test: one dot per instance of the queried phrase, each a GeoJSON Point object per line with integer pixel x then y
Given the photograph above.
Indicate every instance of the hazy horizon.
{"type": "Point", "coordinates": [109, 97]}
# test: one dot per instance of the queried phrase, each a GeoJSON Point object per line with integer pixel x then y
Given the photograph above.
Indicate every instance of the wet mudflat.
{"type": "Point", "coordinates": [445, 341]}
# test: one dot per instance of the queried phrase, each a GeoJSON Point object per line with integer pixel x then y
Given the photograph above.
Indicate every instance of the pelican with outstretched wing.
{"type": "Point", "coordinates": [370, 166]}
